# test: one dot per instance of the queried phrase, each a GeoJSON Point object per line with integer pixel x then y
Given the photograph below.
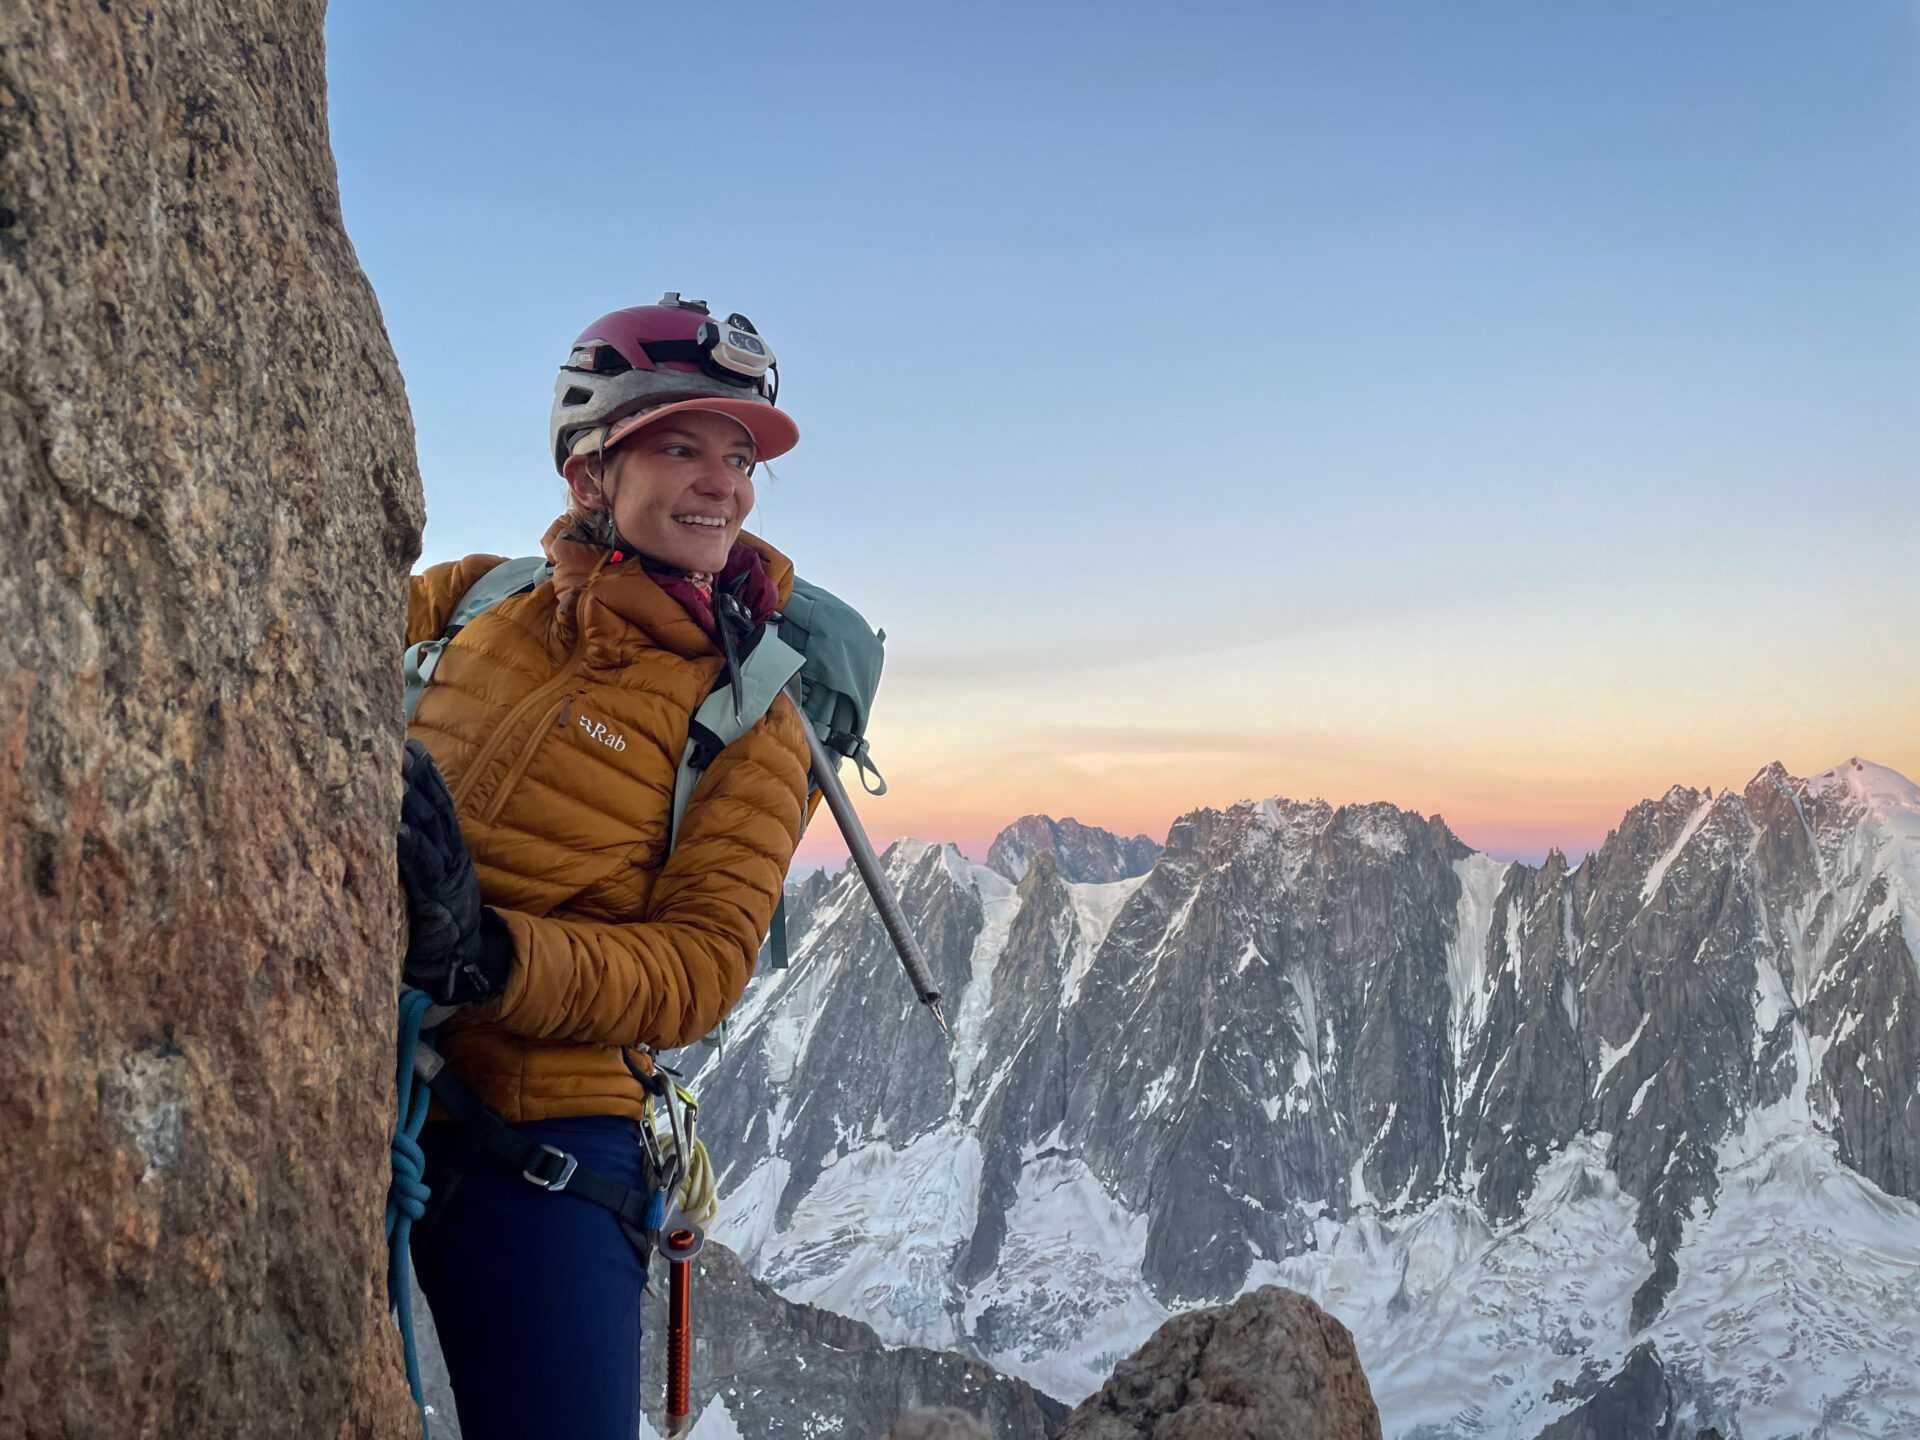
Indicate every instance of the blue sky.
{"type": "Point", "coordinates": [1505, 410]}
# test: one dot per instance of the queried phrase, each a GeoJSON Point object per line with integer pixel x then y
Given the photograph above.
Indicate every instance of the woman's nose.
{"type": "Point", "coordinates": [716, 478]}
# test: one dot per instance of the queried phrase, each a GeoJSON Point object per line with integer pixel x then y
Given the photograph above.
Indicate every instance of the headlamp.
{"type": "Point", "coordinates": [734, 347]}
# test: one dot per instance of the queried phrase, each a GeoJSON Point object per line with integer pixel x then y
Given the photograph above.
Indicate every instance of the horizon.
{"type": "Point", "coordinates": [822, 849]}
{"type": "Point", "coordinates": [1497, 412]}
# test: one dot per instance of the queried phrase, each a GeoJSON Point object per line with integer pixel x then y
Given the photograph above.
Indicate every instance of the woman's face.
{"type": "Point", "coordinates": [678, 490]}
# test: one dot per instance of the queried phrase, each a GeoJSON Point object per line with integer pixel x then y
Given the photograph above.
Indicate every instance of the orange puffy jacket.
{"type": "Point", "coordinates": [559, 718]}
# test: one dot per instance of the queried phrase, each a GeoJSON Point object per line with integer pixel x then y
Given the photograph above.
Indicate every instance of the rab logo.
{"type": "Point", "coordinates": [612, 739]}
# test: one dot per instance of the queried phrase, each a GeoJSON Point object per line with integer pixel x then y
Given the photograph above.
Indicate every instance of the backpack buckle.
{"type": "Point", "coordinates": [555, 1177]}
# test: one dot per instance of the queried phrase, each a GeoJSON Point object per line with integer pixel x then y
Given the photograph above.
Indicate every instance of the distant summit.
{"type": "Point", "coordinates": [1084, 854]}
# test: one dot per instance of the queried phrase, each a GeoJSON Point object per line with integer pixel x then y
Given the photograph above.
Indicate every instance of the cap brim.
{"type": "Point", "coordinates": [773, 431]}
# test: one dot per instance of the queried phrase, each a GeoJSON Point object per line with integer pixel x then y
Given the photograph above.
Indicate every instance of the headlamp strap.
{"type": "Point", "coordinates": [669, 352]}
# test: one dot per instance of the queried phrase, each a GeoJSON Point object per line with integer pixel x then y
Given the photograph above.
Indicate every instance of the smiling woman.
{"type": "Point", "coordinates": [549, 894]}
{"type": "Point", "coordinates": [677, 490]}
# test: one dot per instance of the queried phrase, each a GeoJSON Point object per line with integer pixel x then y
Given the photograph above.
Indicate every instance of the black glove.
{"type": "Point", "coordinates": [458, 951]}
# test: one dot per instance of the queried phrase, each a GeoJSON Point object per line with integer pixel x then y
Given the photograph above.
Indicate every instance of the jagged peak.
{"type": "Point", "coordinates": [1084, 854]}
{"type": "Point", "coordinates": [907, 852]}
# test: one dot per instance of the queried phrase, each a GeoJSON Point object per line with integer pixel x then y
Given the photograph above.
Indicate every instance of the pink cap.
{"type": "Point", "coordinates": [773, 431]}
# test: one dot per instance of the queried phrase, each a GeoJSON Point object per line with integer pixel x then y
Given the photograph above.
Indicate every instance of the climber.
{"type": "Point", "coordinates": [551, 893]}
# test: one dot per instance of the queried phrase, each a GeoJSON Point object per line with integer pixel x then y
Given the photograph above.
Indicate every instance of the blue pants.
{"type": "Point", "coordinates": [536, 1296]}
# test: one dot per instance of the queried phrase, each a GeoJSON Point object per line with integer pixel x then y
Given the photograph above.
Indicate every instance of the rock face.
{"type": "Point", "coordinates": [785, 1370]}
{"type": "Point", "coordinates": [1632, 1405]}
{"type": "Point", "coordinates": [1271, 1364]}
{"type": "Point", "coordinates": [944, 1423]}
{"type": "Point", "coordinates": [1508, 1123]}
{"type": "Point", "coordinates": [209, 505]}
{"type": "Point", "coordinates": [1083, 854]}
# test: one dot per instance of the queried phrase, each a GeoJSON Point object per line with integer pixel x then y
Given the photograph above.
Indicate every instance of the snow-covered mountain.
{"type": "Point", "coordinates": [1508, 1123]}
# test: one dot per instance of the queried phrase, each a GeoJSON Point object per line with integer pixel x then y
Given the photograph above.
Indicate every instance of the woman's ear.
{"type": "Point", "coordinates": [585, 486]}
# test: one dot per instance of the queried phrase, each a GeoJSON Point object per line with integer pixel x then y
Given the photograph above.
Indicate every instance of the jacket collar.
{"type": "Point", "coordinates": [629, 592]}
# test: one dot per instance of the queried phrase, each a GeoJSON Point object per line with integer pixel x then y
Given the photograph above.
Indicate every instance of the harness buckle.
{"type": "Point", "coordinates": [552, 1182]}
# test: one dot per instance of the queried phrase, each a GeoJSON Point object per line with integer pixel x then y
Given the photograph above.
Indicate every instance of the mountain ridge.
{"type": "Point", "coordinates": [1336, 1048]}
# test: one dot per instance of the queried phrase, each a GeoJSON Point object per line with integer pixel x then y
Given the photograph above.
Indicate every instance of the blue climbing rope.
{"type": "Point", "coordinates": [407, 1195]}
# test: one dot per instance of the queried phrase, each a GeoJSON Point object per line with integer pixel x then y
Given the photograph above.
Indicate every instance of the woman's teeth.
{"type": "Point", "coordinates": [712, 520]}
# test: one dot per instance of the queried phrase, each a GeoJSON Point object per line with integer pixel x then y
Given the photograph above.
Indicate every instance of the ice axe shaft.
{"type": "Point", "coordinates": [912, 960]}
{"type": "Point", "coordinates": [679, 1347]}
{"type": "Point", "coordinates": [679, 1246]}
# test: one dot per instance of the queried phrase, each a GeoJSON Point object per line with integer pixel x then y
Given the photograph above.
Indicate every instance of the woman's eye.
{"type": "Point", "coordinates": [679, 452]}
{"type": "Point", "coordinates": [739, 462]}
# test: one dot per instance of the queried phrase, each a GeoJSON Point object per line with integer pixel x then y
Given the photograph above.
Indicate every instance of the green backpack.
{"type": "Point", "coordinates": [818, 640]}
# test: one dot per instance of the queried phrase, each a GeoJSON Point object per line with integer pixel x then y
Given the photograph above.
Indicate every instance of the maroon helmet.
{"type": "Point", "coordinates": [629, 367]}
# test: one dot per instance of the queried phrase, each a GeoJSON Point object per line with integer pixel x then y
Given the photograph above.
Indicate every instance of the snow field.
{"type": "Point", "coordinates": [874, 1238]}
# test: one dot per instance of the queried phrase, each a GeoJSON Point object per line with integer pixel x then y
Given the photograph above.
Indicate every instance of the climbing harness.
{"type": "Point", "coordinates": [672, 1160]}
{"type": "Point", "coordinates": [677, 1165]}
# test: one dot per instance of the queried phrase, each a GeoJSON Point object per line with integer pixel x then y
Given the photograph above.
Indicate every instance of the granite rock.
{"type": "Point", "coordinates": [1273, 1364]}
{"type": "Point", "coordinates": [209, 505]}
{"type": "Point", "coordinates": [1084, 854]}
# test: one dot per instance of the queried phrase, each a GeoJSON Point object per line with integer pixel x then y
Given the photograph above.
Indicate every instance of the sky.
{"type": "Point", "coordinates": [1503, 410]}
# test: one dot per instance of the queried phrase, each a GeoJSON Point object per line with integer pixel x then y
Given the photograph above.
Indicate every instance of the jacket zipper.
{"type": "Point", "coordinates": [504, 731]}
{"type": "Point", "coordinates": [556, 720]}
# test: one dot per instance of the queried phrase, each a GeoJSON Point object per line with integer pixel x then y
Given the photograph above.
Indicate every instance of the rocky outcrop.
{"type": "Point", "coordinates": [209, 505]}
{"type": "Point", "coordinates": [1084, 854]}
{"type": "Point", "coordinates": [1271, 1364]}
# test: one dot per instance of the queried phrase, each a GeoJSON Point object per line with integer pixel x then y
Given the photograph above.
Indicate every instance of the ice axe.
{"type": "Point", "coordinates": [912, 959]}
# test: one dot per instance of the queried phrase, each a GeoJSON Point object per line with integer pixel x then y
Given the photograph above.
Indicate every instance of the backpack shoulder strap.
{"type": "Point", "coordinates": [763, 675]}
{"type": "Point", "coordinates": [509, 577]}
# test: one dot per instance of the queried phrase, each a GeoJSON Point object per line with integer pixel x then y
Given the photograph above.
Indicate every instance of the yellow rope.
{"type": "Point", "coordinates": [698, 1202]}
